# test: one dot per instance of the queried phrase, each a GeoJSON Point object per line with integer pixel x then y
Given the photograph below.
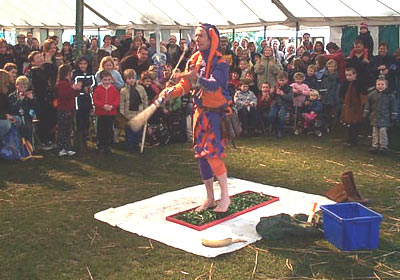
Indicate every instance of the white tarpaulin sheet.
{"type": "Point", "coordinates": [181, 14]}
{"type": "Point", "coordinates": [147, 218]}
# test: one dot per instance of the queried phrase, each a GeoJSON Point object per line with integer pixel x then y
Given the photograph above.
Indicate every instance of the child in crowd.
{"type": "Point", "coordinates": [264, 104]}
{"type": "Point", "coordinates": [117, 66]}
{"type": "Point", "coordinates": [246, 104]}
{"type": "Point", "coordinates": [352, 107]}
{"type": "Point", "coordinates": [381, 109]}
{"type": "Point", "coordinates": [297, 65]}
{"type": "Point", "coordinates": [311, 79]}
{"type": "Point", "coordinates": [367, 40]}
{"type": "Point", "coordinates": [312, 109]}
{"type": "Point", "coordinates": [321, 68]}
{"type": "Point", "coordinates": [282, 99]}
{"type": "Point", "coordinates": [107, 63]}
{"type": "Point", "coordinates": [300, 91]}
{"type": "Point", "coordinates": [244, 67]}
{"type": "Point", "coordinates": [66, 92]}
{"type": "Point", "coordinates": [237, 56]}
{"type": "Point", "coordinates": [133, 100]}
{"type": "Point", "coordinates": [306, 57]}
{"type": "Point", "coordinates": [234, 81]}
{"type": "Point", "coordinates": [106, 101]}
{"type": "Point", "coordinates": [155, 84]}
{"type": "Point", "coordinates": [146, 81]}
{"type": "Point", "coordinates": [21, 103]}
{"type": "Point", "coordinates": [252, 83]}
{"type": "Point", "coordinates": [83, 101]}
{"type": "Point", "coordinates": [330, 87]}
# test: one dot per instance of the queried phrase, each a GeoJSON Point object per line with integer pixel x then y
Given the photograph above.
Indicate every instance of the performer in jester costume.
{"type": "Point", "coordinates": [206, 78]}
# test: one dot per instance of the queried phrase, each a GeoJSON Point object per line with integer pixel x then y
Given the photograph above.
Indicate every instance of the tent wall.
{"type": "Point", "coordinates": [390, 35]}
{"type": "Point", "coordinates": [346, 35]}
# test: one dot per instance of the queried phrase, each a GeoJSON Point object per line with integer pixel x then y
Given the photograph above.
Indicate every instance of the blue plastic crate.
{"type": "Point", "coordinates": [351, 226]}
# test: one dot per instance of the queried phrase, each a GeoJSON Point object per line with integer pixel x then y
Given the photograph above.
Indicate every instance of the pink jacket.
{"type": "Point", "coordinates": [300, 92]}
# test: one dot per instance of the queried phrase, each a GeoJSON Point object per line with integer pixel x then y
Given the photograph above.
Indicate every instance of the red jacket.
{"type": "Point", "coordinates": [66, 95]}
{"type": "Point", "coordinates": [103, 96]}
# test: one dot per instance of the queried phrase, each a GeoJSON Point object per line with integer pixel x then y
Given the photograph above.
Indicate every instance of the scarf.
{"type": "Point", "coordinates": [134, 99]}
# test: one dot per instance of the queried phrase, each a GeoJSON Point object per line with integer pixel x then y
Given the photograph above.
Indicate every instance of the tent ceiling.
{"type": "Point", "coordinates": [146, 14]}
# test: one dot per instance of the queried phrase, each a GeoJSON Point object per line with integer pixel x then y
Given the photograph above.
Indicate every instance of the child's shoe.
{"type": "Point", "coordinates": [62, 153]}
{"type": "Point", "coordinates": [71, 153]}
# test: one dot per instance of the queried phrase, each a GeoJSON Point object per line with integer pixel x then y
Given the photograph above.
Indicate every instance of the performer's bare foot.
{"type": "Point", "coordinates": [208, 203]}
{"type": "Point", "coordinates": [223, 205]}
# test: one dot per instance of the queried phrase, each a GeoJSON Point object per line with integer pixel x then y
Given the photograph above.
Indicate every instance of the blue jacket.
{"type": "Point", "coordinates": [330, 87]}
{"type": "Point", "coordinates": [313, 105]}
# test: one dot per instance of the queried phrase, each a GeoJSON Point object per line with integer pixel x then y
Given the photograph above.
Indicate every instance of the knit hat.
{"type": "Point", "coordinates": [364, 25]}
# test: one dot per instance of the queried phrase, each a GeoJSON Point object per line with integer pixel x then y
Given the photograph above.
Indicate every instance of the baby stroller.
{"type": "Point", "coordinates": [314, 126]}
{"type": "Point", "coordinates": [157, 134]}
{"type": "Point", "coordinates": [157, 130]}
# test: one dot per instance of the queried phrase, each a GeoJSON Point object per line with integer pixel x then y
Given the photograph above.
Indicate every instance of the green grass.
{"type": "Point", "coordinates": [47, 229]}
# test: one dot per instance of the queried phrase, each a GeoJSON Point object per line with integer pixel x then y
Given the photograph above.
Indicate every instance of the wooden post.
{"type": "Point", "coordinates": [79, 28]}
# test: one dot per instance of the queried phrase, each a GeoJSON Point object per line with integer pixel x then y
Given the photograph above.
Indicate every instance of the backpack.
{"type": "Point", "coordinates": [10, 145]}
{"type": "Point", "coordinates": [13, 147]}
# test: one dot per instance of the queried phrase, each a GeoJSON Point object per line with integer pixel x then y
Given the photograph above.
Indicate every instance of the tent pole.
{"type": "Point", "coordinates": [79, 27]}
{"type": "Point", "coordinates": [98, 37]}
{"type": "Point", "coordinates": [158, 37]}
{"type": "Point", "coordinates": [297, 32]}
{"type": "Point", "coordinates": [265, 32]}
{"type": "Point", "coordinates": [233, 35]}
{"type": "Point", "coordinates": [180, 34]}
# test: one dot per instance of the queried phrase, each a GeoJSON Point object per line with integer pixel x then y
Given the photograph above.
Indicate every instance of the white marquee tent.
{"type": "Point", "coordinates": [183, 14]}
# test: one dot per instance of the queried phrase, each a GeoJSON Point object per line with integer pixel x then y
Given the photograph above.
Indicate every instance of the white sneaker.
{"type": "Point", "coordinates": [62, 153]}
{"type": "Point", "coordinates": [71, 153]}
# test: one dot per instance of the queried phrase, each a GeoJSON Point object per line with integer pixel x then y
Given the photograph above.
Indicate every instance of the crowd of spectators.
{"type": "Point", "coordinates": [49, 97]}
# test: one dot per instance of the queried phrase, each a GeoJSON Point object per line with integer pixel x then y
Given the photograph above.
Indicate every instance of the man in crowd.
{"type": "Point", "coordinates": [173, 51]}
{"type": "Point", "coordinates": [139, 63]}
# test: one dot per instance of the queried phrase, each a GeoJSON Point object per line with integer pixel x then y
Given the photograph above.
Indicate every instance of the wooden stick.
{"type": "Point", "coordinates": [90, 274]}
{"type": "Point", "coordinates": [385, 255]}
{"type": "Point", "coordinates": [210, 273]}
{"type": "Point", "coordinates": [200, 276]}
{"type": "Point", "coordinates": [306, 250]}
{"type": "Point", "coordinates": [255, 265]}
{"type": "Point", "coordinates": [143, 138]}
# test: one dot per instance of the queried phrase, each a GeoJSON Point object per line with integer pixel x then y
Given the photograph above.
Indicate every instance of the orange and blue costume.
{"type": "Point", "coordinates": [211, 103]}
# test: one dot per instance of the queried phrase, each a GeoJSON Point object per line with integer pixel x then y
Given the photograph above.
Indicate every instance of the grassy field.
{"type": "Point", "coordinates": [47, 229]}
